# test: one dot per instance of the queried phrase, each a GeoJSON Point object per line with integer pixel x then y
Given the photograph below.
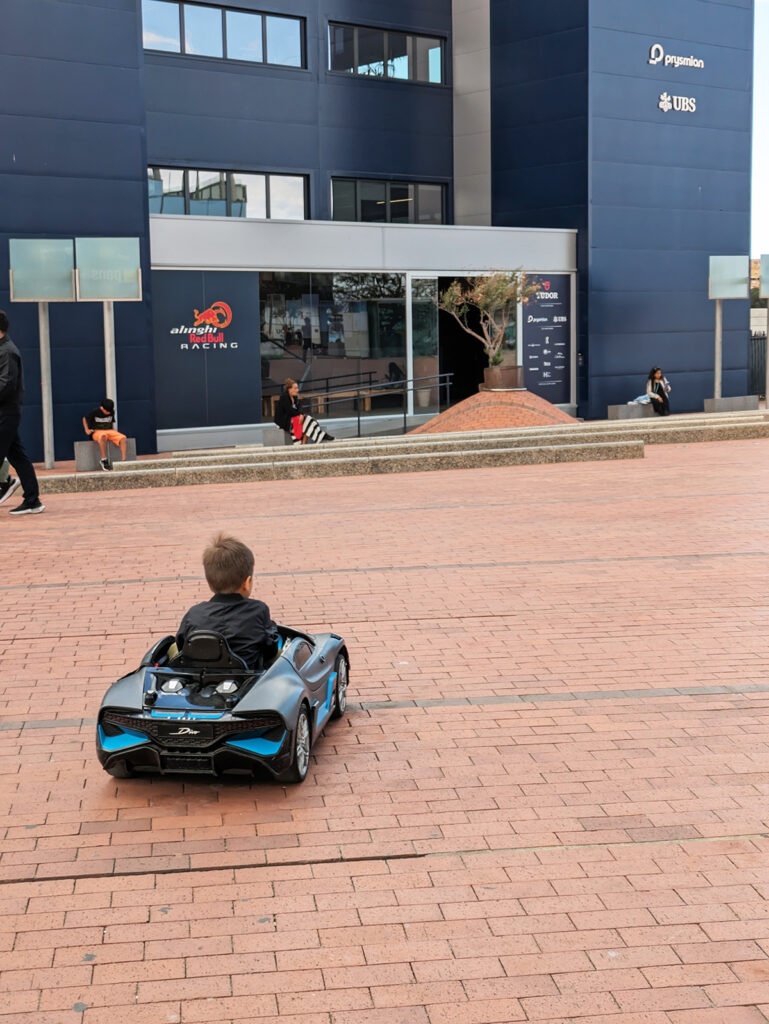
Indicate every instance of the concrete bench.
{"type": "Point", "coordinates": [630, 411]}
{"type": "Point", "coordinates": [87, 454]}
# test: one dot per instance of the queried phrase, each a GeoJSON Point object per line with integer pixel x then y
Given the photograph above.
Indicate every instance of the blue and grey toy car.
{"type": "Point", "coordinates": [202, 711]}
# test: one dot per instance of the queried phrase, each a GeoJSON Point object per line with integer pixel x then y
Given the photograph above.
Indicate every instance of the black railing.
{"type": "Point", "coordinates": [757, 365]}
{"type": "Point", "coordinates": [364, 377]}
{"type": "Point", "coordinates": [441, 381]}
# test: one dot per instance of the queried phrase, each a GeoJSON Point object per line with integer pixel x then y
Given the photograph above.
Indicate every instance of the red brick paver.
{"type": "Point", "coordinates": [596, 851]}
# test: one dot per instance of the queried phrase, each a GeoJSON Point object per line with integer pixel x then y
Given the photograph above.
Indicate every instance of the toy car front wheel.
{"type": "Point", "coordinates": [119, 770]}
{"type": "Point", "coordinates": [342, 676]}
{"type": "Point", "coordinates": [301, 762]}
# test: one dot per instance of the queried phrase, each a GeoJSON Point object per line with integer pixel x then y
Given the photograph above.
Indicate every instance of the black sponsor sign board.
{"type": "Point", "coordinates": [546, 343]}
{"type": "Point", "coordinates": [207, 349]}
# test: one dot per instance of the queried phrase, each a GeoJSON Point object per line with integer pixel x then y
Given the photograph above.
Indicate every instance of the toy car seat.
{"type": "Point", "coordinates": [206, 649]}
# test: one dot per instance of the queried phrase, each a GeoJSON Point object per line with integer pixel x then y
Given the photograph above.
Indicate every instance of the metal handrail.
{"type": "Point", "coordinates": [442, 380]}
{"type": "Point", "coordinates": [317, 380]}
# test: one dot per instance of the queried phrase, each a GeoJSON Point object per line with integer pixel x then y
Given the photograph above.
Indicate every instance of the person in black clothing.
{"type": "Point", "coordinates": [300, 426]}
{"type": "Point", "coordinates": [243, 622]}
{"type": "Point", "coordinates": [11, 448]}
{"type": "Point", "coordinates": [99, 425]}
{"type": "Point", "coordinates": [657, 388]}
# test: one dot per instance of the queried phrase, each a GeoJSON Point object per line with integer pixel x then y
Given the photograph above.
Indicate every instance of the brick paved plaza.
{"type": "Point", "coordinates": [548, 802]}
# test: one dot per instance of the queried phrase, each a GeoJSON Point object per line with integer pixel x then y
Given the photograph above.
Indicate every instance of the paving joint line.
{"type": "Point", "coordinates": [465, 702]}
{"type": "Point", "coordinates": [308, 862]}
{"type": "Point", "coordinates": [453, 567]}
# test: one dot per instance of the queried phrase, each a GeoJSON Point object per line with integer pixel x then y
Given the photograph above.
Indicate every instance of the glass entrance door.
{"type": "Point", "coordinates": [422, 295]}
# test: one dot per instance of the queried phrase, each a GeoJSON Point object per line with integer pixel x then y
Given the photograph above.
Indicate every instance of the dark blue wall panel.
{"type": "Point", "coordinates": [73, 163]}
{"type": "Point", "coordinates": [579, 140]}
{"type": "Point", "coordinates": [214, 114]}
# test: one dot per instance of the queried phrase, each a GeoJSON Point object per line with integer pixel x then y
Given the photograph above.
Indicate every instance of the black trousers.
{"type": "Point", "coordinates": [661, 408]}
{"type": "Point", "coordinates": [12, 449]}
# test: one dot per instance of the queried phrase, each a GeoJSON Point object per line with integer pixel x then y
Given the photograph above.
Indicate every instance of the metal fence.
{"type": "Point", "coordinates": [758, 365]}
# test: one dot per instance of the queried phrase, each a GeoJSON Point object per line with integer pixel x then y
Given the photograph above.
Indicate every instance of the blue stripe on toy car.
{"type": "Point", "coordinates": [127, 738]}
{"type": "Point", "coordinates": [198, 715]}
{"type": "Point", "coordinates": [326, 706]}
{"type": "Point", "coordinates": [257, 744]}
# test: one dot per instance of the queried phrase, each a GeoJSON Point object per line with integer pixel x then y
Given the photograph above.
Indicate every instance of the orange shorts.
{"type": "Point", "coordinates": [111, 435]}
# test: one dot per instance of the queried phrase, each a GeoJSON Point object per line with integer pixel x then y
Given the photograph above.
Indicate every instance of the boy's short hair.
{"type": "Point", "coordinates": [227, 564]}
{"type": "Point", "coordinates": [4, 322]}
{"type": "Point", "coordinates": [108, 405]}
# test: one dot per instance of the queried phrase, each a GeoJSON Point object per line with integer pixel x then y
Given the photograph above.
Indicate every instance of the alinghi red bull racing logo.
{"type": "Point", "coordinates": [207, 331]}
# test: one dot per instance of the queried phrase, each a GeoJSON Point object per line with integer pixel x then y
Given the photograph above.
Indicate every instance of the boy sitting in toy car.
{"type": "Point", "coordinates": [243, 622]}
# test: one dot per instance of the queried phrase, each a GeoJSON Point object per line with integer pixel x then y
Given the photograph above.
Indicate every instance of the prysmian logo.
{"type": "Point", "coordinates": [657, 55]}
{"type": "Point", "coordinates": [207, 331]}
{"type": "Point", "coordinates": [683, 104]}
{"type": "Point", "coordinates": [546, 293]}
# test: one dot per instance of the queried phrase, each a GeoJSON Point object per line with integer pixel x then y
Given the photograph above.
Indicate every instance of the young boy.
{"type": "Point", "coordinates": [244, 623]}
{"type": "Point", "coordinates": [99, 425]}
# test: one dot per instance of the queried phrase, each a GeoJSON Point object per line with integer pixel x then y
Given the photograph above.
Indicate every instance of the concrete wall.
{"type": "Point", "coordinates": [472, 111]}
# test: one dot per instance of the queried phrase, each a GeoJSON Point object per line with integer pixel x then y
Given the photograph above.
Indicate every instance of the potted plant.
{"type": "Point", "coordinates": [492, 299]}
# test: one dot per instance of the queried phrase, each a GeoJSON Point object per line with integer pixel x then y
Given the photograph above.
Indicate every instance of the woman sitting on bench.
{"type": "Point", "coordinates": [300, 426]}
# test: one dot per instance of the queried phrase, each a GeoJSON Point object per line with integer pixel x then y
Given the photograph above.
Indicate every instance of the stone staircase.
{"type": "Point", "coordinates": [578, 442]}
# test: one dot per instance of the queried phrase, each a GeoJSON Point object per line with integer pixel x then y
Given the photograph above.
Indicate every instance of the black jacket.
{"type": "Point", "coordinates": [11, 377]}
{"type": "Point", "coordinates": [286, 409]}
{"type": "Point", "coordinates": [244, 623]}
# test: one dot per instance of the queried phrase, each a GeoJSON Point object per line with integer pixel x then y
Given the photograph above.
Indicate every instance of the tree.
{"type": "Point", "coordinates": [494, 297]}
{"type": "Point", "coordinates": [755, 301]}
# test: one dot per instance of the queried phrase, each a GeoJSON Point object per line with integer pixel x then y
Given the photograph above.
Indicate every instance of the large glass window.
{"type": "Point", "coordinates": [250, 36]}
{"type": "Point", "coordinates": [424, 334]}
{"type": "Point", "coordinates": [166, 190]}
{"type": "Point", "coordinates": [249, 195]}
{"type": "Point", "coordinates": [397, 202]}
{"type": "Point", "coordinates": [342, 335]}
{"type": "Point", "coordinates": [361, 50]}
{"type": "Point", "coordinates": [227, 193]}
{"type": "Point", "coordinates": [342, 48]}
{"type": "Point", "coordinates": [287, 197]}
{"type": "Point", "coordinates": [161, 26]}
{"type": "Point", "coordinates": [208, 193]}
{"type": "Point", "coordinates": [203, 31]}
{"type": "Point", "coordinates": [244, 36]}
{"type": "Point", "coordinates": [284, 41]}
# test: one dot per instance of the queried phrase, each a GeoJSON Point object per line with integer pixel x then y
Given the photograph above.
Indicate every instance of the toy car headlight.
{"type": "Point", "coordinates": [172, 686]}
{"type": "Point", "coordinates": [228, 686]}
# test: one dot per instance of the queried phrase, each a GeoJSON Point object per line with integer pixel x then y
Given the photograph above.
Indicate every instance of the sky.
{"type": "Point", "coordinates": [760, 232]}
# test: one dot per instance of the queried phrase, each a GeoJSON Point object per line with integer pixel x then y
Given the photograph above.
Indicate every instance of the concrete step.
{"type": "Point", "coordinates": [358, 465]}
{"type": "Point", "coordinates": [673, 433]}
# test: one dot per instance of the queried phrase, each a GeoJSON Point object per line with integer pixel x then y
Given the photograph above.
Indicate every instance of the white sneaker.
{"type": "Point", "coordinates": [7, 488]}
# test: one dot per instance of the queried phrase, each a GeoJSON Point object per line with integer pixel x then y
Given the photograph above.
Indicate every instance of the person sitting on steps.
{"type": "Point", "coordinates": [99, 425]}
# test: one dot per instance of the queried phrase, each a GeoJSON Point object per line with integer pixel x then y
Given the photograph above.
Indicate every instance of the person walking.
{"type": "Point", "coordinates": [11, 394]}
{"type": "Point", "coordinates": [657, 388]}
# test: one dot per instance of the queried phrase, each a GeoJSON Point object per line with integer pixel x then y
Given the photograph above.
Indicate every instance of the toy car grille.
{"type": "Point", "coordinates": [197, 732]}
{"type": "Point", "coordinates": [186, 763]}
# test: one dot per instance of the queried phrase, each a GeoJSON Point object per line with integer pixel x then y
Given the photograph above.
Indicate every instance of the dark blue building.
{"type": "Point", "coordinates": [628, 122]}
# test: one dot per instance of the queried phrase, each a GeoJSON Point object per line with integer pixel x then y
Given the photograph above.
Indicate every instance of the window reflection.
{"type": "Point", "coordinates": [430, 204]}
{"type": "Point", "coordinates": [160, 26]}
{"type": "Point", "coordinates": [424, 331]}
{"type": "Point", "coordinates": [343, 200]}
{"type": "Point", "coordinates": [166, 190]}
{"type": "Point", "coordinates": [391, 201]}
{"type": "Point", "coordinates": [202, 31]}
{"type": "Point", "coordinates": [398, 50]}
{"type": "Point", "coordinates": [372, 197]}
{"type": "Point", "coordinates": [244, 36]}
{"type": "Point", "coordinates": [287, 201]}
{"type": "Point", "coordinates": [249, 195]}
{"type": "Point", "coordinates": [334, 333]}
{"type": "Point", "coordinates": [341, 48]}
{"type": "Point", "coordinates": [371, 52]}
{"type": "Point", "coordinates": [284, 41]}
{"type": "Point", "coordinates": [208, 193]}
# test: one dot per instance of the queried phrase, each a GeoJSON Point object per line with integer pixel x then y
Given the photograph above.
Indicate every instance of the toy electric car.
{"type": "Point", "coordinates": [203, 711]}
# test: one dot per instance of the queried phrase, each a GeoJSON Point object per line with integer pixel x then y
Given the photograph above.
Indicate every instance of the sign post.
{"type": "Point", "coordinates": [729, 278]}
{"type": "Point", "coordinates": [108, 270]}
{"type": "Point", "coordinates": [763, 293]}
{"type": "Point", "coordinates": [42, 271]}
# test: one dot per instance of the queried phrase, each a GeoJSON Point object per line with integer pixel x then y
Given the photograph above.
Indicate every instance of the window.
{"type": "Point", "coordinates": [161, 26]}
{"type": "Point", "coordinates": [394, 202]}
{"type": "Point", "coordinates": [360, 50]}
{"type": "Point", "coordinates": [227, 194]}
{"type": "Point", "coordinates": [203, 30]}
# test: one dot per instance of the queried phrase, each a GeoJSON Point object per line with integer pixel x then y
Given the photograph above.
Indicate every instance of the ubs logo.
{"type": "Point", "coordinates": [683, 104]}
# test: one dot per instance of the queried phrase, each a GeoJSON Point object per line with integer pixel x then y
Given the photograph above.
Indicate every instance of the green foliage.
{"type": "Point", "coordinates": [755, 302]}
{"type": "Point", "coordinates": [494, 299]}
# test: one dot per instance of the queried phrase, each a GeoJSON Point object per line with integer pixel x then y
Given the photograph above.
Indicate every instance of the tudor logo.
{"type": "Point", "coordinates": [546, 293]}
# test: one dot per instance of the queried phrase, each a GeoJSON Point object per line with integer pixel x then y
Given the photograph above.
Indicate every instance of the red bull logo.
{"type": "Point", "coordinates": [219, 315]}
{"type": "Point", "coordinates": [207, 330]}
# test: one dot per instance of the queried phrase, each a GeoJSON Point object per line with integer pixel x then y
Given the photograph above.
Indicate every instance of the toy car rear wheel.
{"type": "Point", "coordinates": [342, 670]}
{"type": "Point", "coordinates": [119, 770]}
{"type": "Point", "coordinates": [301, 762]}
